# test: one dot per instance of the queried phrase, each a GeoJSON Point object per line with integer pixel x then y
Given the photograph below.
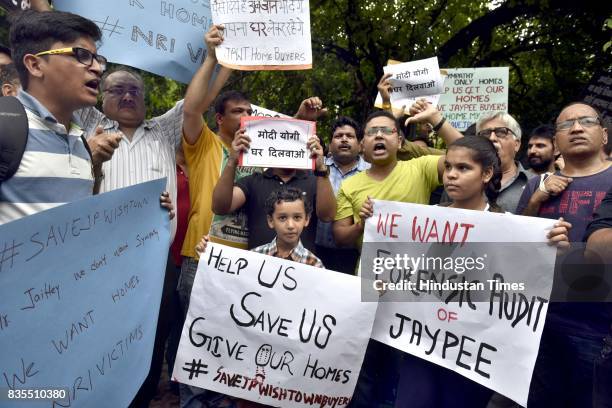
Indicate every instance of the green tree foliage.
{"type": "Point", "coordinates": [552, 48]}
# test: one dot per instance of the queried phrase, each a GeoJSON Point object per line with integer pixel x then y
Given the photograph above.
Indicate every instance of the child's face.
{"type": "Point", "coordinates": [288, 220]}
{"type": "Point", "coordinates": [463, 177]}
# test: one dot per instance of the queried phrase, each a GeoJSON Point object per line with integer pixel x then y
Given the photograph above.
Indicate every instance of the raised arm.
{"type": "Point", "coordinates": [311, 109]}
{"type": "Point", "coordinates": [199, 97]}
{"type": "Point", "coordinates": [227, 198]}
{"type": "Point", "coordinates": [326, 200]}
{"type": "Point", "coordinates": [384, 88]}
{"type": "Point", "coordinates": [423, 111]}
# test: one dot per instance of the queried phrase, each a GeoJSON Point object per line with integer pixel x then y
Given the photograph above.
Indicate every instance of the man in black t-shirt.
{"type": "Point", "coordinates": [251, 192]}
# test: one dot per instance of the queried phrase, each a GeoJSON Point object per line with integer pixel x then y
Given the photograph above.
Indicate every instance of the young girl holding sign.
{"type": "Point", "coordinates": [472, 179]}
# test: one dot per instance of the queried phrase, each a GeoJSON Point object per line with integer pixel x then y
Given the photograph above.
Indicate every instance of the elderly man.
{"type": "Point", "coordinates": [135, 150]}
{"type": "Point", "coordinates": [505, 133]}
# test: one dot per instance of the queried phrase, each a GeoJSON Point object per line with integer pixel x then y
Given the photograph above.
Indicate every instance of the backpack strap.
{"type": "Point", "coordinates": [13, 135]}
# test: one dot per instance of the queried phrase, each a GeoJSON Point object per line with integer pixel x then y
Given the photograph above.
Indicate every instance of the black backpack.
{"type": "Point", "coordinates": [14, 136]}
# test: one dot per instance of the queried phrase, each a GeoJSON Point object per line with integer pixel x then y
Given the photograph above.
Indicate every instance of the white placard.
{"type": "Point", "coordinates": [266, 113]}
{"type": "Point", "coordinates": [278, 142]}
{"type": "Point", "coordinates": [471, 92]}
{"type": "Point", "coordinates": [253, 330]}
{"type": "Point", "coordinates": [264, 34]}
{"type": "Point", "coordinates": [413, 80]}
{"type": "Point", "coordinates": [492, 343]}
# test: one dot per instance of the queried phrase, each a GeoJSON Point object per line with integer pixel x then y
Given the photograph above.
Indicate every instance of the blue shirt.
{"type": "Point", "coordinates": [336, 177]}
{"type": "Point", "coordinates": [55, 167]}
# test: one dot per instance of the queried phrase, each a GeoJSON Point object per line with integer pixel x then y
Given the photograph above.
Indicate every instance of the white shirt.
{"type": "Point", "coordinates": [150, 154]}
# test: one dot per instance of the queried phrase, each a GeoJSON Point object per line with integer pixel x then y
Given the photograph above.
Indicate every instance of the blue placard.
{"type": "Point", "coordinates": [165, 37]}
{"type": "Point", "coordinates": [80, 287]}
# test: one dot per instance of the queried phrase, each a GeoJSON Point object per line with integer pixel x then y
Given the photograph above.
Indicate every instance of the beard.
{"type": "Point", "coordinates": [539, 164]}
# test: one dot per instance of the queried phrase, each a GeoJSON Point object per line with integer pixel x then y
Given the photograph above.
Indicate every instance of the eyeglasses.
{"type": "Point", "coordinates": [84, 56]}
{"type": "Point", "coordinates": [585, 121]}
{"type": "Point", "coordinates": [500, 132]}
{"type": "Point", "coordinates": [118, 91]}
{"type": "Point", "coordinates": [385, 130]}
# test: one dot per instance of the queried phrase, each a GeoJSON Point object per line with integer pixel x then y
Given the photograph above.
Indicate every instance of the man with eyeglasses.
{"type": "Point", "coordinates": [505, 133]}
{"type": "Point", "coordinates": [56, 81]}
{"type": "Point", "coordinates": [573, 333]}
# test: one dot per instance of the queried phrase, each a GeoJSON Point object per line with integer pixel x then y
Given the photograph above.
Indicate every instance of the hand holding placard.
{"type": "Point", "coordinates": [278, 142]}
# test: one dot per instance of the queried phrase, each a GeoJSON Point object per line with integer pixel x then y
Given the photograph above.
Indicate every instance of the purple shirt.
{"type": "Point", "coordinates": [576, 204]}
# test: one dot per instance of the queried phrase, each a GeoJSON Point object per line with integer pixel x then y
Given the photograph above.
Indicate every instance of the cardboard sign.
{"type": "Point", "coordinates": [81, 286]}
{"type": "Point", "coordinates": [253, 331]}
{"type": "Point", "coordinates": [264, 34]}
{"type": "Point", "coordinates": [467, 290]}
{"type": "Point", "coordinates": [159, 36]}
{"type": "Point", "coordinates": [471, 92]}
{"type": "Point", "coordinates": [278, 142]}
{"type": "Point", "coordinates": [411, 81]}
{"type": "Point", "coordinates": [266, 113]}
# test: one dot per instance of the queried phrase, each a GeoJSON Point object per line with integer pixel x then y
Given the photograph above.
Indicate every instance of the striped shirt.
{"type": "Point", "coordinates": [55, 167]}
{"type": "Point", "coordinates": [299, 254]}
{"type": "Point", "coordinates": [149, 156]}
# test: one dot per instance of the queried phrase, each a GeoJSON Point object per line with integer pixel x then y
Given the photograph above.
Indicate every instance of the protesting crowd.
{"type": "Point", "coordinates": [315, 217]}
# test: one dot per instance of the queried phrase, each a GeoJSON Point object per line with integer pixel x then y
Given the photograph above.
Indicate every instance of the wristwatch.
{"type": "Point", "coordinates": [322, 173]}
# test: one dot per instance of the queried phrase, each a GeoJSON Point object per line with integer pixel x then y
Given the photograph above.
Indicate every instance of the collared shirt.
{"type": "Point", "coordinates": [324, 229]}
{"type": "Point", "coordinates": [257, 188]}
{"type": "Point", "coordinates": [55, 167]}
{"type": "Point", "coordinates": [150, 154]}
{"type": "Point", "coordinates": [298, 254]}
{"type": "Point", "coordinates": [510, 193]}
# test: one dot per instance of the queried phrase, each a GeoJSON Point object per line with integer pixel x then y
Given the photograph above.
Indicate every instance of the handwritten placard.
{"type": "Point", "coordinates": [264, 34]}
{"type": "Point", "coordinates": [278, 142]}
{"type": "Point", "coordinates": [411, 81]}
{"type": "Point", "coordinates": [468, 290]}
{"type": "Point", "coordinates": [81, 286]}
{"type": "Point", "coordinates": [165, 37]}
{"type": "Point", "coordinates": [471, 92]}
{"type": "Point", "coordinates": [252, 330]}
{"type": "Point", "coordinates": [266, 113]}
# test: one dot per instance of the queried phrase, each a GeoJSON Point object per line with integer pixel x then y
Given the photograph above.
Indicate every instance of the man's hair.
{"type": "Point", "coordinates": [508, 120]}
{"type": "Point", "coordinates": [346, 121]}
{"type": "Point", "coordinates": [602, 120]}
{"type": "Point", "coordinates": [470, 131]}
{"type": "Point", "coordinates": [121, 68]}
{"type": "Point", "coordinates": [226, 96]}
{"type": "Point", "coordinates": [287, 194]}
{"type": "Point", "coordinates": [5, 50]}
{"type": "Point", "coordinates": [33, 32]}
{"type": "Point", "coordinates": [9, 75]}
{"type": "Point", "coordinates": [385, 114]}
{"type": "Point", "coordinates": [544, 132]}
